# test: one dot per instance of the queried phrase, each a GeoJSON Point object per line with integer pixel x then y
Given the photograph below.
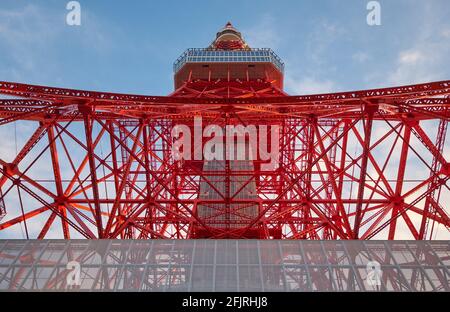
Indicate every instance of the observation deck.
{"type": "Point", "coordinates": [229, 57]}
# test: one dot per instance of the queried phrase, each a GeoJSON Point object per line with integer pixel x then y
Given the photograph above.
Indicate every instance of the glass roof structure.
{"type": "Point", "coordinates": [223, 265]}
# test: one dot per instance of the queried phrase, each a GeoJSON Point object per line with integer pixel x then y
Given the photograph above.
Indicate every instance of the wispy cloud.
{"type": "Point", "coordinates": [361, 57]}
{"type": "Point", "coordinates": [313, 76]}
{"type": "Point", "coordinates": [309, 85]}
{"type": "Point", "coordinates": [321, 38]}
{"type": "Point", "coordinates": [23, 33]}
{"type": "Point", "coordinates": [263, 34]}
{"type": "Point", "coordinates": [33, 38]}
{"type": "Point", "coordinates": [426, 58]}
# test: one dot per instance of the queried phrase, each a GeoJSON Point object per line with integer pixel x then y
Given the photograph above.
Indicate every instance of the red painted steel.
{"type": "Point", "coordinates": [352, 165]}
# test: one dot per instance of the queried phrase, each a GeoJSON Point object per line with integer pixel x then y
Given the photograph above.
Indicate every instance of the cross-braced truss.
{"type": "Point", "coordinates": [352, 165]}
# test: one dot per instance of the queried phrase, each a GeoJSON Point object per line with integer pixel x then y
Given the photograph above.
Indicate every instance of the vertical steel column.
{"type": "Point", "coordinates": [362, 175]}
{"type": "Point", "coordinates": [88, 120]}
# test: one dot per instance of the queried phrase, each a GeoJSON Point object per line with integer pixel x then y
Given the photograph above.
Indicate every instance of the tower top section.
{"type": "Point", "coordinates": [229, 39]}
{"type": "Point", "coordinates": [228, 57]}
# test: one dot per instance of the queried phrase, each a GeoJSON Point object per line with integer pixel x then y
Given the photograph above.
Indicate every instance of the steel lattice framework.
{"type": "Point", "coordinates": [352, 165]}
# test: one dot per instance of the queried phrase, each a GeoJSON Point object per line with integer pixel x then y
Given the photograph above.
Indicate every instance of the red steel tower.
{"type": "Point", "coordinates": [351, 165]}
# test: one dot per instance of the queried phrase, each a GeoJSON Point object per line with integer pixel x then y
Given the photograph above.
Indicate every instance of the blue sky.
{"type": "Point", "coordinates": [129, 46]}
